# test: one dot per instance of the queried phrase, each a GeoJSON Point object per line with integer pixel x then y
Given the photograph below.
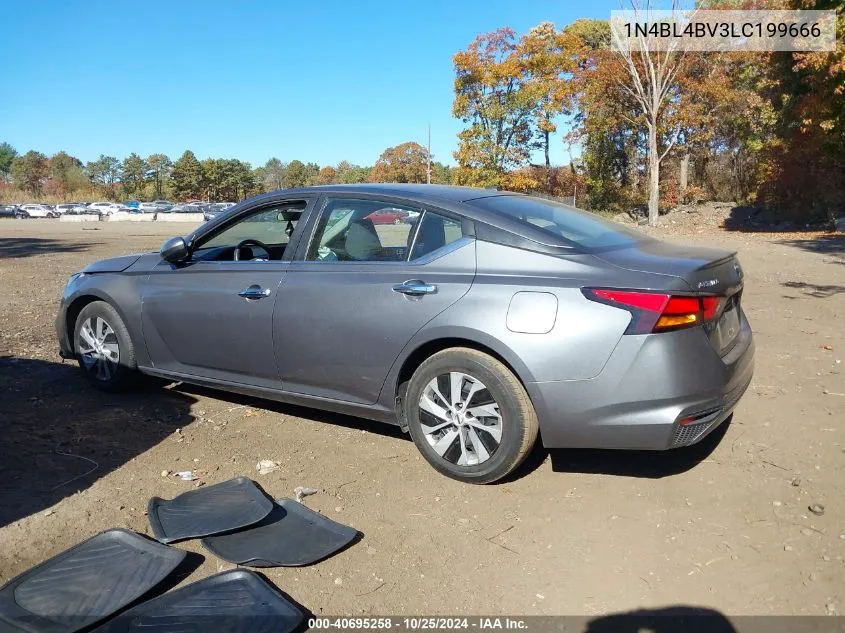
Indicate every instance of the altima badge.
{"type": "Point", "coordinates": [707, 283]}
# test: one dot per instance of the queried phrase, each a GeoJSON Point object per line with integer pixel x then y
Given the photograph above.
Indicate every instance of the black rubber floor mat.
{"type": "Point", "coordinates": [290, 536]}
{"type": "Point", "coordinates": [223, 507]}
{"type": "Point", "coordinates": [236, 601]}
{"type": "Point", "coordinates": [86, 583]}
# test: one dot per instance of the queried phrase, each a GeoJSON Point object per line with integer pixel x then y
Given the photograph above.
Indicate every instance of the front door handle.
{"type": "Point", "coordinates": [254, 292]}
{"type": "Point", "coordinates": [415, 288]}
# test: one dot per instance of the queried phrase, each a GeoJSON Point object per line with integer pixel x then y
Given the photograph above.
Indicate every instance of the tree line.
{"type": "Point", "coordinates": [762, 128]}
{"type": "Point", "coordinates": [65, 177]}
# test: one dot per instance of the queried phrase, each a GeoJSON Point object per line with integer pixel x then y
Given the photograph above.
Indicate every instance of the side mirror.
{"type": "Point", "coordinates": [174, 250]}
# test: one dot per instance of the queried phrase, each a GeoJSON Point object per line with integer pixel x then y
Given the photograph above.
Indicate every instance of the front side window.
{"type": "Point", "coordinates": [262, 235]}
{"type": "Point", "coordinates": [359, 230]}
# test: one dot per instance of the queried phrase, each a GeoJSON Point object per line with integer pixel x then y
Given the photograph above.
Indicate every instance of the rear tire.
{"type": "Point", "coordinates": [469, 415]}
{"type": "Point", "coordinates": [104, 348]}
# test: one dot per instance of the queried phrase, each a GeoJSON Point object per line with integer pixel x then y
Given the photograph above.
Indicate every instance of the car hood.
{"type": "Point", "coordinates": [113, 264]}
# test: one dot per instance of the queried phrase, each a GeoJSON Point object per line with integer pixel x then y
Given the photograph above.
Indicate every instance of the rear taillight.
{"type": "Point", "coordinates": [657, 312]}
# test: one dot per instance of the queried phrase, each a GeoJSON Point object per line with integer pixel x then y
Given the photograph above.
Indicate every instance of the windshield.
{"type": "Point", "coordinates": [586, 230]}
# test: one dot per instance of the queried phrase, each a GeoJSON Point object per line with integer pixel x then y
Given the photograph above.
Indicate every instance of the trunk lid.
{"type": "Point", "coordinates": [707, 271]}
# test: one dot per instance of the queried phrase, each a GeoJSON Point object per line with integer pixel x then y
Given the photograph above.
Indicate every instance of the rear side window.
{"type": "Point", "coordinates": [584, 230]}
{"type": "Point", "coordinates": [435, 231]}
{"type": "Point", "coordinates": [362, 230]}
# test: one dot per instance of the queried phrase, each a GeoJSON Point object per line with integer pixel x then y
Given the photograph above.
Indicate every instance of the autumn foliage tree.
{"type": "Point", "coordinates": [494, 97]}
{"type": "Point", "coordinates": [66, 173]}
{"type": "Point", "coordinates": [656, 128]}
{"type": "Point", "coordinates": [30, 171]}
{"type": "Point", "coordinates": [404, 163]}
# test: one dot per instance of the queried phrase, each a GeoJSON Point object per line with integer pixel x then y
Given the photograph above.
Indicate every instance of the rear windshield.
{"type": "Point", "coordinates": [585, 230]}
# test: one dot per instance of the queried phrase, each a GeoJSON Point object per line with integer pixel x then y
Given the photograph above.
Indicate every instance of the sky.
{"type": "Point", "coordinates": [323, 82]}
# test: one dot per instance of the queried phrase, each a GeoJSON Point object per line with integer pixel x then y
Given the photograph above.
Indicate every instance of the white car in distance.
{"type": "Point", "coordinates": [37, 211]}
{"type": "Point", "coordinates": [106, 208]}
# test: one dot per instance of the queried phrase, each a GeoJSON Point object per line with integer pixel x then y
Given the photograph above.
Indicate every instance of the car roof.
{"type": "Point", "coordinates": [404, 190]}
{"type": "Point", "coordinates": [490, 225]}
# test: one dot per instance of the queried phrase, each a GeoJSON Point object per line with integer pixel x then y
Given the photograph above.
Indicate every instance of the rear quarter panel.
{"type": "Point", "coordinates": [576, 347]}
{"type": "Point", "coordinates": [583, 333]}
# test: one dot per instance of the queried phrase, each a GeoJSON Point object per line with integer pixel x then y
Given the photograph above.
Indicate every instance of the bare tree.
{"type": "Point", "coordinates": [651, 83]}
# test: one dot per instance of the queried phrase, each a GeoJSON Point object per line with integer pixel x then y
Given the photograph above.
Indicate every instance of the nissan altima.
{"type": "Point", "coordinates": [487, 319]}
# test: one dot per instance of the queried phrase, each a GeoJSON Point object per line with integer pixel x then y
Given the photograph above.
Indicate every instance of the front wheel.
{"type": "Point", "coordinates": [470, 416]}
{"type": "Point", "coordinates": [103, 347]}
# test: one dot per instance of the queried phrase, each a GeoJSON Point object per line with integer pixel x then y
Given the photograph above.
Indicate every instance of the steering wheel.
{"type": "Point", "coordinates": [249, 242]}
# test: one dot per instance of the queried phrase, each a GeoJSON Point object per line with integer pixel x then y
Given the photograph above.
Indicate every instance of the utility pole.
{"type": "Point", "coordinates": [428, 157]}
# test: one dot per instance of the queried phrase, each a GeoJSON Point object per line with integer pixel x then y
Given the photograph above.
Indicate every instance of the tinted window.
{"type": "Point", "coordinates": [436, 231]}
{"type": "Point", "coordinates": [585, 230]}
{"type": "Point", "coordinates": [359, 230]}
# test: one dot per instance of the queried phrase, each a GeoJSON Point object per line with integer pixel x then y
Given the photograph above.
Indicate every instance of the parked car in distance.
{"type": "Point", "coordinates": [82, 208]}
{"type": "Point", "coordinates": [493, 319]}
{"type": "Point", "coordinates": [388, 216]}
{"type": "Point", "coordinates": [103, 208]}
{"type": "Point", "coordinates": [37, 211]}
{"type": "Point", "coordinates": [188, 208]}
{"type": "Point", "coordinates": [108, 208]}
{"type": "Point", "coordinates": [10, 211]}
{"type": "Point", "coordinates": [216, 208]}
{"type": "Point", "coordinates": [131, 204]}
{"type": "Point", "coordinates": [64, 208]}
{"type": "Point", "coordinates": [148, 207]}
{"type": "Point", "coordinates": [163, 205]}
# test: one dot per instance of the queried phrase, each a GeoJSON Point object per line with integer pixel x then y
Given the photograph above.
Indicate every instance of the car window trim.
{"type": "Point", "coordinates": [267, 263]}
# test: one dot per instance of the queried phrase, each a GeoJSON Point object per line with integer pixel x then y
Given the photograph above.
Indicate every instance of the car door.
{"type": "Point", "coordinates": [212, 317]}
{"type": "Point", "coordinates": [357, 293]}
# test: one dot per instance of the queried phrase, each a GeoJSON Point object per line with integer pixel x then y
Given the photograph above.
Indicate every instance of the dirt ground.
{"type": "Point", "coordinates": [723, 525]}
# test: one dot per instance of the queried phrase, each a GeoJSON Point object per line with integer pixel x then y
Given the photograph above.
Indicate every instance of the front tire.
{"type": "Point", "coordinates": [469, 415]}
{"type": "Point", "coordinates": [103, 347]}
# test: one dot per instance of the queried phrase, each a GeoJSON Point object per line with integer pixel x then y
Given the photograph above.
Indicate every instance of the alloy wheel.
{"type": "Point", "coordinates": [98, 348]}
{"type": "Point", "coordinates": [460, 419]}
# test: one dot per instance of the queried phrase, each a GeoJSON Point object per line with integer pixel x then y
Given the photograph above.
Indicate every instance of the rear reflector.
{"type": "Point", "coordinates": [657, 312]}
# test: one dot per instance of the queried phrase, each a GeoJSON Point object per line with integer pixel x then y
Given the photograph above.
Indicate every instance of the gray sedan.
{"type": "Point", "coordinates": [485, 319]}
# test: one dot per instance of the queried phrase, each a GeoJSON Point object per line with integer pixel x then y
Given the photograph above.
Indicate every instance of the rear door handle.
{"type": "Point", "coordinates": [415, 288]}
{"type": "Point", "coordinates": [254, 292]}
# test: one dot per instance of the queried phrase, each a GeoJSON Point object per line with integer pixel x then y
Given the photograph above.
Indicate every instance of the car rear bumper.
{"type": "Point", "coordinates": [649, 385]}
